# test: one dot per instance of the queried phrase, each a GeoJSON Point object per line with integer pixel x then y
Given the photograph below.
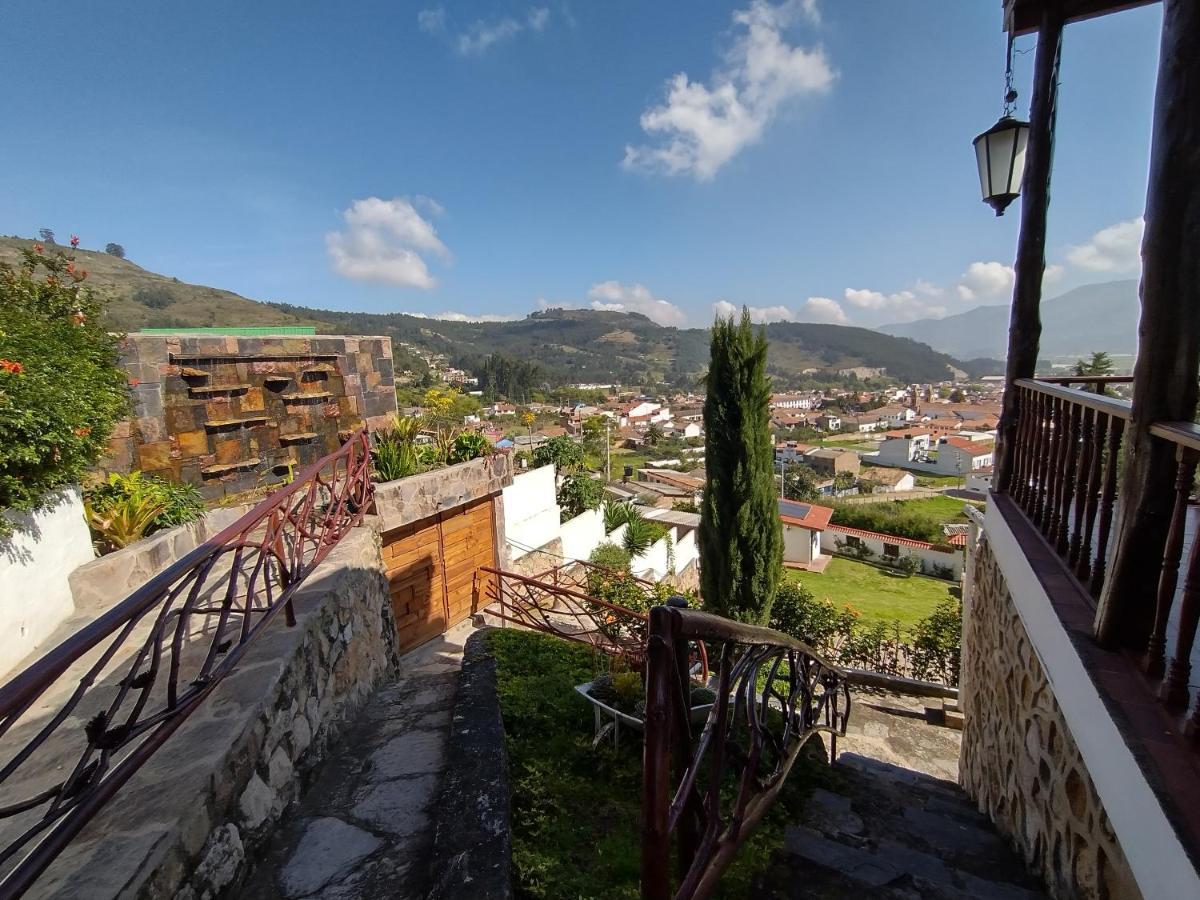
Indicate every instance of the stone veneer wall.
{"type": "Point", "coordinates": [1019, 761]}
{"type": "Point", "coordinates": [232, 413]}
{"type": "Point", "coordinates": [192, 821]}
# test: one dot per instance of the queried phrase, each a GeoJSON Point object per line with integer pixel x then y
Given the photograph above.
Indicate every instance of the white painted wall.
{"type": "Point", "coordinates": [655, 563]}
{"type": "Point", "coordinates": [582, 534]}
{"type": "Point", "coordinates": [531, 513]}
{"type": "Point", "coordinates": [35, 597]}
{"type": "Point", "coordinates": [927, 557]}
{"type": "Point", "coordinates": [687, 551]}
{"type": "Point", "coordinates": [798, 544]}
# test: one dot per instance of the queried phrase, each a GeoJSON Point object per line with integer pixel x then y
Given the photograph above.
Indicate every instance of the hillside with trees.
{"type": "Point", "coordinates": [559, 345]}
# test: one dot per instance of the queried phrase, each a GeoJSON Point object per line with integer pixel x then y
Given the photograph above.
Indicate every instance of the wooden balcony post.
{"type": "Point", "coordinates": [1164, 386]}
{"type": "Point", "coordinates": [1025, 323]}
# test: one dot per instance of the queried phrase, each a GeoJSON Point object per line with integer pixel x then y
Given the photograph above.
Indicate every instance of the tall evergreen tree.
{"type": "Point", "coordinates": [741, 539]}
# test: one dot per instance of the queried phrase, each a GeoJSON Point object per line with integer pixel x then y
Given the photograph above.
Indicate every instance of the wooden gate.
{"type": "Point", "coordinates": [432, 569]}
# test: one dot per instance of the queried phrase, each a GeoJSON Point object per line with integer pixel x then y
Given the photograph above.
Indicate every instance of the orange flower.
{"type": "Point", "coordinates": [133, 382]}
{"type": "Point", "coordinates": [83, 431]}
{"type": "Point", "coordinates": [12, 368]}
{"type": "Point", "coordinates": [38, 248]}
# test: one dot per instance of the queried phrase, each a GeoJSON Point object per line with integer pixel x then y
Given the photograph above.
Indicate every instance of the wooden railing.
{"type": "Point", "coordinates": [1095, 383]}
{"type": "Point", "coordinates": [773, 694]}
{"type": "Point", "coordinates": [111, 694]}
{"type": "Point", "coordinates": [1067, 449]}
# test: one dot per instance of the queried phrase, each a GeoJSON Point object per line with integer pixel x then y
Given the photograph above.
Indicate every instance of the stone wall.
{"type": "Point", "coordinates": [233, 413]}
{"type": "Point", "coordinates": [1019, 761]}
{"type": "Point", "coordinates": [418, 497]}
{"type": "Point", "coordinates": [207, 802]}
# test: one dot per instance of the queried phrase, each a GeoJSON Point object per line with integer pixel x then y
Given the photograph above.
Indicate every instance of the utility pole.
{"type": "Point", "coordinates": [607, 451]}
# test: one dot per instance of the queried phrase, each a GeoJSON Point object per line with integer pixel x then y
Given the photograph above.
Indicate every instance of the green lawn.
{"type": "Point", "coordinates": [575, 810]}
{"type": "Point", "coordinates": [880, 595]}
{"type": "Point", "coordinates": [920, 520]}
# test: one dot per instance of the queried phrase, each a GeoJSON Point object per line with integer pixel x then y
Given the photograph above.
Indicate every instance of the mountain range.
{"type": "Point", "coordinates": [1092, 317]}
{"type": "Point", "coordinates": [573, 345]}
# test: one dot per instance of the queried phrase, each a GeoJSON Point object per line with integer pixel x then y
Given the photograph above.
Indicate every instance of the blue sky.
{"type": "Point", "coordinates": [809, 158]}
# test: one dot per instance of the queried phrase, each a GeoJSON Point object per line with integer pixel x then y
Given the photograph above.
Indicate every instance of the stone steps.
{"type": "Point", "coordinates": [892, 833]}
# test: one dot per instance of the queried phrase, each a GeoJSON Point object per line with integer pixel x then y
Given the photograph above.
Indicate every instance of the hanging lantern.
{"type": "Point", "coordinates": [1000, 153]}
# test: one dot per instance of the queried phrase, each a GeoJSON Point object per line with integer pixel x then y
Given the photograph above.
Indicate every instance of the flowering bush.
{"type": "Point", "coordinates": [61, 391]}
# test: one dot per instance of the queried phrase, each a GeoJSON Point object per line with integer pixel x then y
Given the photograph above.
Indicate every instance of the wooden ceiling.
{"type": "Point", "coordinates": [1024, 16]}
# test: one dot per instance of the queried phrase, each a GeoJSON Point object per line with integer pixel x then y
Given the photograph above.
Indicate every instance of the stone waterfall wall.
{"type": "Point", "coordinates": [193, 820]}
{"type": "Point", "coordinates": [1019, 761]}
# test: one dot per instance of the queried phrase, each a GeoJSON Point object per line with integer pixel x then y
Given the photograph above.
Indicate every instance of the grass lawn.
{"type": "Point", "coordinates": [880, 595]}
{"type": "Point", "coordinates": [937, 481]}
{"type": "Point", "coordinates": [575, 810]}
{"type": "Point", "coordinates": [918, 519]}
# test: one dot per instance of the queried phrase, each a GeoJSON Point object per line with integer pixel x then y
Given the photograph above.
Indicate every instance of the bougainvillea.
{"type": "Point", "coordinates": [61, 391]}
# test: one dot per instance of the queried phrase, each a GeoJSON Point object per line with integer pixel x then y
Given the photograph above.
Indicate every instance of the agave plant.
{"type": "Point", "coordinates": [640, 533]}
{"type": "Point", "coordinates": [405, 429]}
{"type": "Point", "coordinates": [394, 456]}
{"type": "Point", "coordinates": [125, 520]}
{"type": "Point", "coordinates": [615, 514]}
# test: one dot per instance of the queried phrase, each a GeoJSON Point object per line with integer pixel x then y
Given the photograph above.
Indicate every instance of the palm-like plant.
{"type": "Point", "coordinates": [125, 520]}
{"type": "Point", "coordinates": [640, 533]}
{"type": "Point", "coordinates": [469, 445]}
{"type": "Point", "coordinates": [615, 515]}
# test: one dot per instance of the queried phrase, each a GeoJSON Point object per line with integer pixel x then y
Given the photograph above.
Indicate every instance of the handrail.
{"type": "Point", "coordinates": [1111, 406]}
{"type": "Point", "coordinates": [772, 693]}
{"type": "Point", "coordinates": [229, 588]}
{"type": "Point", "coordinates": [1186, 434]}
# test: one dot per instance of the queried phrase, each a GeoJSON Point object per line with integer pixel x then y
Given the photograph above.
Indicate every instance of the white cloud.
{"type": "Point", "coordinates": [1116, 248]}
{"type": "Point", "coordinates": [758, 314]}
{"type": "Point", "coordinates": [449, 316]}
{"type": "Point", "coordinates": [384, 240]}
{"type": "Point", "coordinates": [826, 310]}
{"type": "Point", "coordinates": [432, 20]}
{"type": "Point", "coordinates": [904, 306]}
{"type": "Point", "coordinates": [985, 279]}
{"type": "Point", "coordinates": [617, 297]}
{"type": "Point", "coordinates": [481, 35]}
{"type": "Point", "coordinates": [703, 126]}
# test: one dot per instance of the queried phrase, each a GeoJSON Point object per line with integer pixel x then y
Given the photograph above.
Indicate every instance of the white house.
{"type": "Point", "coordinates": [956, 455]}
{"type": "Point", "coordinates": [803, 524]}
{"type": "Point", "coordinates": [905, 448]}
{"type": "Point", "coordinates": [692, 430]}
{"type": "Point", "coordinates": [791, 401]}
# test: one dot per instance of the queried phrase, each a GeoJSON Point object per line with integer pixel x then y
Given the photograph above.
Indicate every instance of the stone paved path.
{"type": "Point", "coordinates": [364, 829]}
{"type": "Point", "coordinates": [895, 825]}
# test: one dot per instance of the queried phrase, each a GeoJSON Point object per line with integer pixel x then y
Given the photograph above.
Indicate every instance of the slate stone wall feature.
{"type": "Point", "coordinates": [230, 414]}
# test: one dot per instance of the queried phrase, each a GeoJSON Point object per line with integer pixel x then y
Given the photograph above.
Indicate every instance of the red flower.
{"type": "Point", "coordinates": [12, 368]}
{"type": "Point", "coordinates": [78, 317]}
{"type": "Point", "coordinates": [38, 248]}
{"type": "Point", "coordinates": [74, 241]}
{"type": "Point", "coordinates": [133, 382]}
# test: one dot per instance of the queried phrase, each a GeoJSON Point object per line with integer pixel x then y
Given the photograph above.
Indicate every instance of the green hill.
{"type": "Point", "coordinates": [571, 345]}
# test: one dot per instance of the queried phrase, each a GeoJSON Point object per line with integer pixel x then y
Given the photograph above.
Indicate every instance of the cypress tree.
{"type": "Point", "coordinates": [741, 539]}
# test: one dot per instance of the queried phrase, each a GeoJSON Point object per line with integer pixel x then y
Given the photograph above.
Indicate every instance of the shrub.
{"type": "Point", "coordinates": [907, 565]}
{"type": "Point", "coordinates": [469, 445]}
{"type": "Point", "coordinates": [561, 452]}
{"type": "Point", "coordinates": [615, 515]}
{"type": "Point", "coordinates": [640, 533]}
{"type": "Point", "coordinates": [578, 493]}
{"type": "Point", "coordinates": [125, 508]}
{"type": "Point", "coordinates": [61, 390]}
{"type": "Point", "coordinates": [610, 556]}
{"type": "Point", "coordinates": [937, 643]}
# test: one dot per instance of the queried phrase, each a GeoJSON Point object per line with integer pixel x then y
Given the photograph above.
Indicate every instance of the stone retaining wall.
{"type": "Point", "coordinates": [1019, 761]}
{"type": "Point", "coordinates": [421, 496]}
{"type": "Point", "coordinates": [190, 823]}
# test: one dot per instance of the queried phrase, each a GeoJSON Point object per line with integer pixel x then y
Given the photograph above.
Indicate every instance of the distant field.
{"type": "Point", "coordinates": [877, 594]}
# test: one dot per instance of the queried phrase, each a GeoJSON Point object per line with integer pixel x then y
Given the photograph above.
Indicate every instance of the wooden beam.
{"type": "Point", "coordinates": [1025, 323]}
{"type": "Point", "coordinates": [1164, 377]}
{"type": "Point", "coordinates": [1025, 16]}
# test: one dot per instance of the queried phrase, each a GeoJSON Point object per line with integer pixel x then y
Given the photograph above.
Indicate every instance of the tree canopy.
{"type": "Point", "coordinates": [741, 539]}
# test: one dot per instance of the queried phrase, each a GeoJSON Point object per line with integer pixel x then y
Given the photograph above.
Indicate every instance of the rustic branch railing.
{"type": "Point", "coordinates": [773, 694]}
{"type": "Point", "coordinates": [144, 666]}
{"type": "Point", "coordinates": [546, 603]}
{"type": "Point", "coordinates": [1066, 454]}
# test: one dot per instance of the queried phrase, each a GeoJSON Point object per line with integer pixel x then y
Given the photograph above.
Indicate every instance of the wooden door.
{"type": "Point", "coordinates": [432, 570]}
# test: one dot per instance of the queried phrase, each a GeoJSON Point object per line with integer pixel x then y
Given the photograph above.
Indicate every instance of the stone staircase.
{"type": "Point", "coordinates": [891, 833]}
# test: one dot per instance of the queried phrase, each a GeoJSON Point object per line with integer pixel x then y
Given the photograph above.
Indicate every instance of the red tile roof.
{"type": "Point", "coordinates": [974, 448]}
{"type": "Point", "coordinates": [817, 518]}
{"type": "Point", "coordinates": [880, 536]}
